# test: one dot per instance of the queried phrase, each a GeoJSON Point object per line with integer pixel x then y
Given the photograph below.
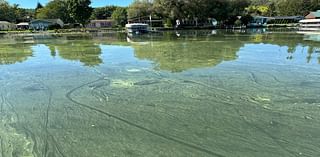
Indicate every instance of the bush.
{"type": "Point", "coordinates": [168, 23]}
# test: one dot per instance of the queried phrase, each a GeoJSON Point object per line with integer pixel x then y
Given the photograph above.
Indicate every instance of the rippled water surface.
{"type": "Point", "coordinates": [190, 93]}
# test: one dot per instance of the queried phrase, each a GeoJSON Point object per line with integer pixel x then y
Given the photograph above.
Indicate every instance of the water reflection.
{"type": "Point", "coordinates": [257, 103]}
{"type": "Point", "coordinates": [85, 51]}
{"type": "Point", "coordinates": [13, 53]}
{"type": "Point", "coordinates": [172, 51]}
{"type": "Point", "coordinates": [178, 56]}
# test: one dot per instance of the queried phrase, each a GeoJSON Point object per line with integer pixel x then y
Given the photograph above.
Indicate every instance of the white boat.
{"type": "Point", "coordinates": [137, 28]}
{"type": "Point", "coordinates": [309, 25]}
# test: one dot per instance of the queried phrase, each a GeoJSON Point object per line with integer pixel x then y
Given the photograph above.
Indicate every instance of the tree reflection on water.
{"type": "Point", "coordinates": [172, 51]}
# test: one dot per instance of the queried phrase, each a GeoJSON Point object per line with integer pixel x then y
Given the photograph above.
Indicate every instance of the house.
{"type": "Point", "coordinates": [6, 26]}
{"type": "Point", "coordinates": [23, 26]}
{"type": "Point", "coordinates": [45, 24]}
{"type": "Point", "coordinates": [100, 24]}
{"type": "Point", "coordinates": [313, 15]}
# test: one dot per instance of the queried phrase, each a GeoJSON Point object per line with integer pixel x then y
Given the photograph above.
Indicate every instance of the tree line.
{"type": "Point", "coordinates": [69, 11]}
{"type": "Point", "coordinates": [227, 11]}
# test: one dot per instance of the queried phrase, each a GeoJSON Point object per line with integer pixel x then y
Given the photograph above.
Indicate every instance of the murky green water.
{"type": "Point", "coordinates": [192, 93]}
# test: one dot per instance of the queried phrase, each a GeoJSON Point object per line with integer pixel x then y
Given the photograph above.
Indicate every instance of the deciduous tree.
{"type": "Point", "coordinates": [79, 10]}
{"type": "Point", "coordinates": [119, 16]}
{"type": "Point", "coordinates": [56, 9]}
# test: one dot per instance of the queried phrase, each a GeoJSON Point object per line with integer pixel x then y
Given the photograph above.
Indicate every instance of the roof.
{"type": "Point", "coordinates": [136, 24]}
{"type": "Point", "coordinates": [4, 22]}
{"type": "Point", "coordinates": [287, 18]}
{"type": "Point", "coordinates": [315, 13]}
{"type": "Point", "coordinates": [23, 24]}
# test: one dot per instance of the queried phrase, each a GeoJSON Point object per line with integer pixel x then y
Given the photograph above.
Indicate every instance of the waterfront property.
{"type": "Point", "coordinates": [45, 24]}
{"type": "Point", "coordinates": [100, 24]}
{"type": "Point", "coordinates": [313, 15]}
{"type": "Point", "coordinates": [6, 26]}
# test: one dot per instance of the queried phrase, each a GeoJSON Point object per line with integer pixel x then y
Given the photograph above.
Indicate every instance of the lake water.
{"type": "Point", "coordinates": [172, 94]}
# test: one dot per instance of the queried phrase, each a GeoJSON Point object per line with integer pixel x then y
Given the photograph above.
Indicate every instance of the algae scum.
{"type": "Point", "coordinates": [199, 93]}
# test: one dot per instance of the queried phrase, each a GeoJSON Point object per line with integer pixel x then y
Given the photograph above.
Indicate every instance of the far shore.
{"type": "Point", "coordinates": [122, 29]}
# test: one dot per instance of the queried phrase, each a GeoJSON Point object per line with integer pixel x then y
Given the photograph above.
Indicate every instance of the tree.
{"type": "Point", "coordinates": [237, 7]}
{"type": "Point", "coordinates": [171, 9]}
{"type": "Point", "coordinates": [103, 12]}
{"type": "Point", "coordinates": [56, 9]}
{"type": "Point", "coordinates": [79, 10]}
{"type": "Point", "coordinates": [246, 19]}
{"type": "Point", "coordinates": [119, 16]}
{"type": "Point", "coordinates": [139, 10]}
{"type": "Point", "coordinates": [262, 10]}
{"type": "Point", "coordinates": [297, 7]}
{"type": "Point", "coordinates": [10, 13]}
{"type": "Point", "coordinates": [217, 9]}
{"type": "Point", "coordinates": [39, 6]}
{"type": "Point", "coordinates": [4, 11]}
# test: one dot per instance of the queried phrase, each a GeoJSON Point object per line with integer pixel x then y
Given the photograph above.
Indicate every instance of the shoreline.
{"type": "Point", "coordinates": [122, 30]}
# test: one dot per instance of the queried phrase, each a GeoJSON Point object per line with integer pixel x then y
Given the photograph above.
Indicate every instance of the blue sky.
{"type": "Point", "coordinates": [95, 3]}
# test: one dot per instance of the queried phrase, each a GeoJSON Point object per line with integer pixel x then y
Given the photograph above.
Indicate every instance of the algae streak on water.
{"type": "Point", "coordinates": [249, 94]}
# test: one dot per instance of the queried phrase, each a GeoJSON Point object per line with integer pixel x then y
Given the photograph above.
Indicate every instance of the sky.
{"type": "Point", "coordinates": [95, 3]}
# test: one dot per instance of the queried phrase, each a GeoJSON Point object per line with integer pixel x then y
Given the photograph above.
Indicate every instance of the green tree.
{"type": "Point", "coordinates": [103, 12]}
{"type": "Point", "coordinates": [140, 10]}
{"type": "Point", "coordinates": [54, 10]}
{"type": "Point", "coordinates": [79, 10]}
{"type": "Point", "coordinates": [4, 11]}
{"type": "Point", "coordinates": [200, 10]}
{"type": "Point", "coordinates": [237, 7]}
{"type": "Point", "coordinates": [38, 7]}
{"type": "Point", "coordinates": [297, 7]}
{"type": "Point", "coordinates": [246, 19]}
{"type": "Point", "coordinates": [119, 16]}
{"type": "Point", "coordinates": [10, 13]}
{"type": "Point", "coordinates": [217, 9]}
{"type": "Point", "coordinates": [171, 9]}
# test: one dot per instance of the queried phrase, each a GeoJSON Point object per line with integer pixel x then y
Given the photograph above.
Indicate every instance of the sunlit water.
{"type": "Point", "coordinates": [192, 93]}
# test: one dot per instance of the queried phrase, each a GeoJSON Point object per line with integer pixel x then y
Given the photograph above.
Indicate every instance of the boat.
{"type": "Point", "coordinates": [309, 25]}
{"type": "Point", "coordinates": [137, 28]}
